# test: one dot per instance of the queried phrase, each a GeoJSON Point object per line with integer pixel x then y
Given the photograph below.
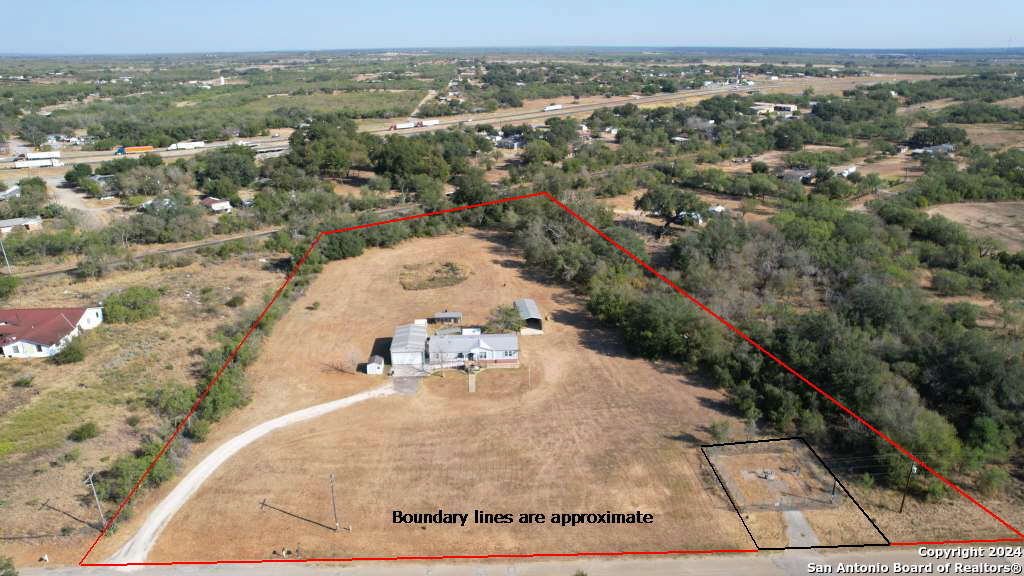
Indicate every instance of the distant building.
{"type": "Point", "coordinates": [941, 149]}
{"type": "Point", "coordinates": [801, 176]}
{"type": "Point", "coordinates": [216, 205]}
{"type": "Point", "coordinates": [29, 224]}
{"type": "Point", "coordinates": [43, 332]}
{"type": "Point", "coordinates": [12, 192]}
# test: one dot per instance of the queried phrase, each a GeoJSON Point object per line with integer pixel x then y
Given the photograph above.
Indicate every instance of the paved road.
{"type": "Point", "coordinates": [748, 564]}
{"type": "Point", "coordinates": [264, 145]}
{"type": "Point", "coordinates": [138, 547]}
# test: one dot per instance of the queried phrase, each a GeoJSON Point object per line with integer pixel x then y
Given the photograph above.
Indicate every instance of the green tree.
{"type": "Point", "coordinates": [504, 319]}
{"type": "Point", "coordinates": [673, 205]}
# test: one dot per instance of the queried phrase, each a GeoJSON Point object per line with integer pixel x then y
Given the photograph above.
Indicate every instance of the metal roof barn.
{"type": "Point", "coordinates": [408, 345]}
{"type": "Point", "coordinates": [531, 315]}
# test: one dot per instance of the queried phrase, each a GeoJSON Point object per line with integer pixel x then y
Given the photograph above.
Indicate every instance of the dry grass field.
{"type": "Point", "coordinates": [1003, 221]}
{"type": "Point", "coordinates": [124, 362]}
{"type": "Point", "coordinates": [994, 137]}
{"type": "Point", "coordinates": [581, 427]}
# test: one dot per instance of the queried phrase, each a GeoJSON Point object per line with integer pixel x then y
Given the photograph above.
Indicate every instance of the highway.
{"type": "Point", "coordinates": [279, 143]}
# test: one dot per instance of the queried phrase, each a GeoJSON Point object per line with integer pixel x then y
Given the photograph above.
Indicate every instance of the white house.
{"type": "Point", "coordinates": [216, 204]}
{"type": "Point", "coordinates": [457, 349]}
{"type": "Point", "coordinates": [43, 332]}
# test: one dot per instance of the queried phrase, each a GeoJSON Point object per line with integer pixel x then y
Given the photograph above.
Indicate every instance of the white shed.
{"type": "Point", "coordinates": [375, 365]}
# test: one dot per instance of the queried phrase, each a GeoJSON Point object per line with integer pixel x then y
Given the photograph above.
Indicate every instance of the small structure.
{"type": "Point", "coordinates": [471, 331]}
{"type": "Point", "coordinates": [375, 365]}
{"type": "Point", "coordinates": [29, 224]}
{"type": "Point", "coordinates": [447, 317]}
{"type": "Point", "coordinates": [408, 345]}
{"type": "Point", "coordinates": [532, 318]}
{"type": "Point", "coordinates": [801, 176]}
{"type": "Point", "coordinates": [12, 192]}
{"type": "Point", "coordinates": [462, 349]}
{"type": "Point", "coordinates": [43, 332]}
{"type": "Point", "coordinates": [216, 205]}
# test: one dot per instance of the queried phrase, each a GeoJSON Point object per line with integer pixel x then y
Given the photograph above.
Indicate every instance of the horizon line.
{"type": "Point", "coordinates": [524, 48]}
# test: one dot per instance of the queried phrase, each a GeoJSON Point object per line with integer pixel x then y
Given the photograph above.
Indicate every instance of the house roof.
{"type": "Point", "coordinates": [46, 326]}
{"type": "Point", "coordinates": [211, 201]}
{"type": "Point", "coordinates": [409, 338]}
{"type": "Point", "coordinates": [448, 315]}
{"type": "Point", "coordinates": [11, 192]}
{"type": "Point", "coordinates": [528, 309]}
{"type": "Point", "coordinates": [20, 221]}
{"type": "Point", "coordinates": [464, 343]}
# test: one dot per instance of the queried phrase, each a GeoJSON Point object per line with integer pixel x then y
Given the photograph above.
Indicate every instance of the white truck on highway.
{"type": "Point", "coordinates": [41, 163]}
{"type": "Point", "coordinates": [423, 123]}
{"type": "Point", "coordinates": [552, 107]}
{"type": "Point", "coordinates": [402, 126]}
{"type": "Point", "coordinates": [52, 155]}
{"type": "Point", "coordinates": [187, 145]}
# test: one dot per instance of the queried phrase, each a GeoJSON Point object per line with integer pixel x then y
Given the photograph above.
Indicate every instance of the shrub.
{"type": "Point", "coordinates": [720, 430]}
{"type": "Point", "coordinates": [950, 283]}
{"type": "Point", "coordinates": [132, 305]}
{"type": "Point", "coordinates": [73, 352]}
{"type": "Point", "coordinates": [235, 301]}
{"type": "Point", "coordinates": [7, 567]}
{"type": "Point", "coordinates": [993, 481]}
{"type": "Point", "coordinates": [24, 381]}
{"type": "Point", "coordinates": [70, 456]}
{"type": "Point", "coordinates": [84, 432]}
{"type": "Point", "coordinates": [8, 284]}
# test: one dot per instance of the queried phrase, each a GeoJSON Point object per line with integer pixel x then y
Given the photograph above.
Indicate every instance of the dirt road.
{"type": "Point", "coordinates": [138, 547]}
{"type": "Point", "coordinates": [787, 563]}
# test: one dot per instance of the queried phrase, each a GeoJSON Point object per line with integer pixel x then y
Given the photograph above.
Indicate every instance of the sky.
{"type": "Point", "coordinates": [158, 26]}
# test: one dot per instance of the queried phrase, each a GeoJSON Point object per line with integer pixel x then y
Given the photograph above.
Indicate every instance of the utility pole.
{"type": "Point", "coordinates": [906, 488]}
{"type": "Point", "coordinates": [6, 261]}
{"type": "Point", "coordinates": [103, 519]}
{"type": "Point", "coordinates": [334, 506]}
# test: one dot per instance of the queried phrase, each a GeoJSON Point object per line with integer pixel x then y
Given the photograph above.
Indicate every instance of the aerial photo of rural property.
{"type": "Point", "coordinates": [534, 289]}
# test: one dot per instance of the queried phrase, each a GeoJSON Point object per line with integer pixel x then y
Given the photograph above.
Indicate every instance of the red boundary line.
{"type": "Point", "coordinates": [628, 253]}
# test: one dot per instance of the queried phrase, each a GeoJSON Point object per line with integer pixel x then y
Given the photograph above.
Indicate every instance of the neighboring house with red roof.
{"type": "Point", "coordinates": [43, 332]}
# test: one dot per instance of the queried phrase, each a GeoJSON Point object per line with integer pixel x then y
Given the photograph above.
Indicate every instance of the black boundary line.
{"type": "Point", "coordinates": [819, 547]}
{"type": "Point", "coordinates": [838, 481]}
{"type": "Point", "coordinates": [800, 438]}
{"type": "Point", "coordinates": [729, 496]}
